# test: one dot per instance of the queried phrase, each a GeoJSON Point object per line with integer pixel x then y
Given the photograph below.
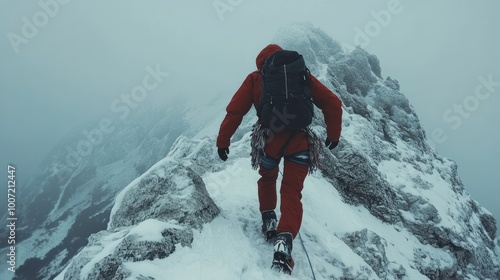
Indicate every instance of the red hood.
{"type": "Point", "coordinates": [265, 53]}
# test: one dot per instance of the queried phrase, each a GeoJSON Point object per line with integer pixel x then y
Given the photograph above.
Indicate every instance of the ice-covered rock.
{"type": "Point", "coordinates": [107, 252]}
{"type": "Point", "coordinates": [371, 247]}
{"type": "Point", "coordinates": [167, 191]}
{"type": "Point", "coordinates": [150, 217]}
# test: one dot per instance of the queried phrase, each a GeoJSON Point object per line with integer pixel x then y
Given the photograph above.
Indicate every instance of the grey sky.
{"type": "Point", "coordinates": [91, 52]}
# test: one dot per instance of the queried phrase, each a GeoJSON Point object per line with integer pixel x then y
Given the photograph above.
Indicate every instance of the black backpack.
{"type": "Point", "coordinates": [285, 102]}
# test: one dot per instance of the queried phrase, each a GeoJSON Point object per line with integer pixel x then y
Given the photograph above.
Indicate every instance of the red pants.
{"type": "Point", "coordinates": [292, 184]}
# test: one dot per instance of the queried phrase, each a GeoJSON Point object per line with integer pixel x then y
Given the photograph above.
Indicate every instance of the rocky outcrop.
{"type": "Point", "coordinates": [151, 216]}
{"type": "Point", "coordinates": [106, 252]}
{"type": "Point", "coordinates": [168, 191]}
{"type": "Point", "coordinates": [371, 247]}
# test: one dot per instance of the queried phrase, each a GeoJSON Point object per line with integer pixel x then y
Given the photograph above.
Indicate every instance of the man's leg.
{"type": "Point", "coordinates": [292, 184]}
{"type": "Point", "coordinates": [294, 173]}
{"type": "Point", "coordinates": [267, 185]}
{"type": "Point", "coordinates": [267, 196]}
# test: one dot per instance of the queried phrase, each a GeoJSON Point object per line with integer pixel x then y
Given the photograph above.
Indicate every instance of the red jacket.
{"type": "Point", "coordinates": [249, 94]}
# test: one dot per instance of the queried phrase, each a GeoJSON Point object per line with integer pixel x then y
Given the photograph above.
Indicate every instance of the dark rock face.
{"type": "Point", "coordinates": [371, 247]}
{"type": "Point", "coordinates": [360, 183]}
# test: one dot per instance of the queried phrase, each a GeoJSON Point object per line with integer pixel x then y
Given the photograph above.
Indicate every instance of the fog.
{"type": "Point", "coordinates": [84, 56]}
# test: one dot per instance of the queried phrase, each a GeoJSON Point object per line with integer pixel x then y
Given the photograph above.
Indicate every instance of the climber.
{"type": "Point", "coordinates": [282, 132]}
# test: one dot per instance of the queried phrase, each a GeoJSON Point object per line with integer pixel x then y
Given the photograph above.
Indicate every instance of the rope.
{"type": "Point", "coordinates": [307, 255]}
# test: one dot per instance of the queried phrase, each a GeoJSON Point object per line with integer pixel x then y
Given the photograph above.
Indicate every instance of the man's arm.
{"type": "Point", "coordinates": [238, 107]}
{"type": "Point", "coordinates": [330, 105]}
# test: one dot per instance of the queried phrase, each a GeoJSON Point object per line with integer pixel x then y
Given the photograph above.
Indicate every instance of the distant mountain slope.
{"type": "Point", "coordinates": [72, 195]}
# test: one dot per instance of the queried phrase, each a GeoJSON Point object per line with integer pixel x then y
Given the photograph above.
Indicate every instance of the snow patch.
{"type": "Point", "coordinates": [151, 229]}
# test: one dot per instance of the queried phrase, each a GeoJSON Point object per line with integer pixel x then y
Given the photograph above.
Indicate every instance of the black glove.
{"type": "Point", "coordinates": [223, 153]}
{"type": "Point", "coordinates": [331, 145]}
